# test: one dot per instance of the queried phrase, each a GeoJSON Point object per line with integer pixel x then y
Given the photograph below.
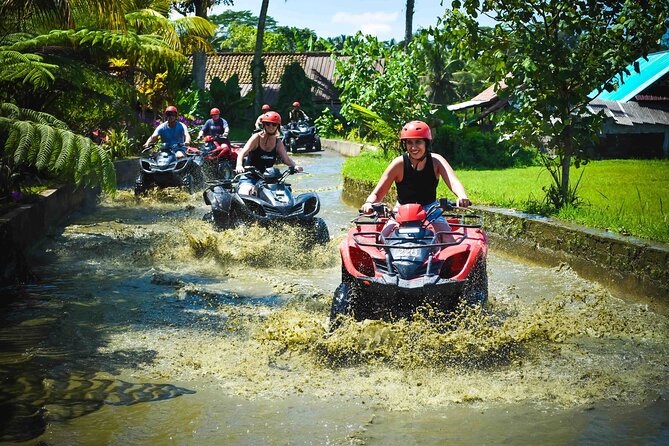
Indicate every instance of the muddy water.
{"type": "Point", "coordinates": [145, 326]}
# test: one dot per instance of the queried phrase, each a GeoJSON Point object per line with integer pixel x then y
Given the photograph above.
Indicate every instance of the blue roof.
{"type": "Point", "coordinates": [651, 70]}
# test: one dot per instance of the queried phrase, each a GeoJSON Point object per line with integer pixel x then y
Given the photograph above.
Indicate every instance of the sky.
{"type": "Point", "coordinates": [330, 18]}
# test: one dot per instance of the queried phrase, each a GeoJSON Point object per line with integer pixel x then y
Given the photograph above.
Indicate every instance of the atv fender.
{"type": "Point", "coordinates": [220, 200]}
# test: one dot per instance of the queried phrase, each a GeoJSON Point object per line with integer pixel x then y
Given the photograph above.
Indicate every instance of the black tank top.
{"type": "Point", "coordinates": [260, 159]}
{"type": "Point", "coordinates": [417, 186]}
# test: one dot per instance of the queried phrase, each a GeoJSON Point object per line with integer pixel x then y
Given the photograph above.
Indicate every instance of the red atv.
{"type": "Point", "coordinates": [219, 157]}
{"type": "Point", "coordinates": [396, 262]}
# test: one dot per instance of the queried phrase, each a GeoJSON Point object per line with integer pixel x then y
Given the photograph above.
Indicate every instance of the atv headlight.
{"type": "Point", "coordinates": [256, 209]}
{"type": "Point", "coordinates": [310, 206]}
{"type": "Point", "coordinates": [362, 261]}
{"type": "Point", "coordinates": [181, 164]}
{"type": "Point", "coordinates": [453, 265]}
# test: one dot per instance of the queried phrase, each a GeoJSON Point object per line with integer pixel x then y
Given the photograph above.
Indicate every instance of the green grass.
{"type": "Point", "coordinates": [629, 197]}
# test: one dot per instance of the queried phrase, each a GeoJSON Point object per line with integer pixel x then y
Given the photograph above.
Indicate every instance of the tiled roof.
{"type": "Point", "coordinates": [319, 67]}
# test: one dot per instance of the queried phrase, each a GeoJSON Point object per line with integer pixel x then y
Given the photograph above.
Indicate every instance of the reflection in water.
{"type": "Point", "coordinates": [143, 291]}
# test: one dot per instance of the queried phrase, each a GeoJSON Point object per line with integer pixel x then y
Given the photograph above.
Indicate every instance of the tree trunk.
{"type": "Point", "coordinates": [408, 25]}
{"type": "Point", "coordinates": [566, 164]}
{"type": "Point", "coordinates": [257, 64]}
{"type": "Point", "coordinates": [200, 57]}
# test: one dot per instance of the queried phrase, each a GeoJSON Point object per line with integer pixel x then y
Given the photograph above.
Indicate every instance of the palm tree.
{"type": "Point", "coordinates": [66, 46]}
{"type": "Point", "coordinates": [408, 25]}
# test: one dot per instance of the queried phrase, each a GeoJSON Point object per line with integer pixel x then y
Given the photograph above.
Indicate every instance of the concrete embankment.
{"type": "Point", "coordinates": [24, 226]}
{"type": "Point", "coordinates": [620, 263]}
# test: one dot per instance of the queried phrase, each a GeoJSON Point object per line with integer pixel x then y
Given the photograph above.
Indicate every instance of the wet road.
{"type": "Point", "coordinates": [146, 326]}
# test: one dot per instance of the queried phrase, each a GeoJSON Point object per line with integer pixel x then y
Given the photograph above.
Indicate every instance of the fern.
{"type": "Point", "coordinates": [27, 132]}
{"type": "Point", "coordinates": [45, 149]}
{"type": "Point", "coordinates": [50, 147]}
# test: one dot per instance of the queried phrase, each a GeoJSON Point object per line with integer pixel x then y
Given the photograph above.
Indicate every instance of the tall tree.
{"type": "Point", "coordinates": [552, 54]}
{"type": "Point", "coordinates": [201, 9]}
{"type": "Point", "coordinates": [257, 63]}
{"type": "Point", "coordinates": [408, 25]}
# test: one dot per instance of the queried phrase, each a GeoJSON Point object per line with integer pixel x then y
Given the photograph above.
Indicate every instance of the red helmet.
{"type": "Point", "coordinates": [171, 108]}
{"type": "Point", "coordinates": [214, 111]}
{"type": "Point", "coordinates": [271, 116]}
{"type": "Point", "coordinates": [265, 107]}
{"type": "Point", "coordinates": [410, 212]}
{"type": "Point", "coordinates": [416, 129]}
{"type": "Point", "coordinates": [296, 104]}
{"type": "Point", "coordinates": [208, 138]}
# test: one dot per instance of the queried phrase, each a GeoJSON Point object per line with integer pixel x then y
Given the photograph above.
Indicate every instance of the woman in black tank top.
{"type": "Point", "coordinates": [416, 173]}
{"type": "Point", "coordinates": [263, 149]}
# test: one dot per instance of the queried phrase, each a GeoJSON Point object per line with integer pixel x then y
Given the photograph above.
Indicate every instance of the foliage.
{"type": "Point", "coordinates": [119, 144]}
{"type": "Point", "coordinates": [237, 32]}
{"type": "Point", "coordinates": [32, 138]}
{"type": "Point", "coordinates": [381, 79]}
{"type": "Point", "coordinates": [552, 54]}
{"type": "Point", "coordinates": [639, 210]}
{"type": "Point", "coordinates": [328, 125]}
{"type": "Point", "coordinates": [450, 73]}
{"type": "Point", "coordinates": [295, 86]}
{"type": "Point", "coordinates": [226, 96]}
{"type": "Point", "coordinates": [152, 93]}
{"type": "Point", "coordinates": [471, 148]}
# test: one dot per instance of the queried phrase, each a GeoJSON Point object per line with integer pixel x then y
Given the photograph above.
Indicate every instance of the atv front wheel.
{"type": "Point", "coordinates": [344, 297]}
{"type": "Point", "coordinates": [317, 144]}
{"type": "Point", "coordinates": [321, 233]}
{"type": "Point", "coordinates": [140, 186]}
{"type": "Point", "coordinates": [187, 183]}
{"type": "Point", "coordinates": [476, 289]}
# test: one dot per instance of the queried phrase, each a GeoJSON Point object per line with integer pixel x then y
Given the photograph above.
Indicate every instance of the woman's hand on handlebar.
{"type": "Point", "coordinates": [463, 202]}
{"type": "Point", "coordinates": [240, 169]}
{"type": "Point", "coordinates": [366, 208]}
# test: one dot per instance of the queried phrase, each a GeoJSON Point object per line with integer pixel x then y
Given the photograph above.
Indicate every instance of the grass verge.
{"type": "Point", "coordinates": [627, 197]}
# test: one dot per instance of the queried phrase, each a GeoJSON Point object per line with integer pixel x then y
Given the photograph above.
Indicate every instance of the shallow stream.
{"type": "Point", "coordinates": [146, 326]}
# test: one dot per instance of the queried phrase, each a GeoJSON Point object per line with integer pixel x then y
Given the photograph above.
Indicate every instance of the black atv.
{"type": "Point", "coordinates": [163, 169]}
{"type": "Point", "coordinates": [301, 135]}
{"type": "Point", "coordinates": [272, 201]}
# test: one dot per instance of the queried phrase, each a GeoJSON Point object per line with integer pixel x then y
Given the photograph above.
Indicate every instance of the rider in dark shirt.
{"type": "Point", "coordinates": [416, 173]}
{"type": "Point", "coordinates": [216, 126]}
{"type": "Point", "coordinates": [263, 149]}
{"type": "Point", "coordinates": [297, 114]}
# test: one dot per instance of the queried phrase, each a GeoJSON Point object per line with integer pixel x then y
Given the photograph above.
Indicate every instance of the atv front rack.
{"type": "Point", "coordinates": [381, 240]}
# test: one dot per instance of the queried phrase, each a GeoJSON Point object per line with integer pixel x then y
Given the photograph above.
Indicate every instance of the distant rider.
{"type": "Point", "coordinates": [171, 133]}
{"type": "Point", "coordinates": [216, 126]}
{"type": "Point", "coordinates": [262, 150]}
{"type": "Point", "coordinates": [258, 125]}
{"type": "Point", "coordinates": [297, 114]}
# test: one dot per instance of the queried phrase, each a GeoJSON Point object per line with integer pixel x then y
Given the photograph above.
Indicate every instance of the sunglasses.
{"type": "Point", "coordinates": [171, 114]}
{"type": "Point", "coordinates": [268, 124]}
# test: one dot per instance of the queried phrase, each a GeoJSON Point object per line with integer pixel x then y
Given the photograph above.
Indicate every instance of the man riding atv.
{"type": "Point", "coordinates": [171, 132]}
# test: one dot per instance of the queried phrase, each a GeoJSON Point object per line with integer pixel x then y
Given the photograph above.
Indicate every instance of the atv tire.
{"type": "Point", "coordinates": [342, 304]}
{"type": "Point", "coordinates": [321, 232]}
{"type": "Point", "coordinates": [140, 186]}
{"type": "Point", "coordinates": [187, 183]}
{"type": "Point", "coordinates": [317, 144]}
{"type": "Point", "coordinates": [476, 289]}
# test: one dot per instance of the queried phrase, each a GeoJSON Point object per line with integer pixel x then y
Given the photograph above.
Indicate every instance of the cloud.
{"type": "Point", "coordinates": [379, 24]}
